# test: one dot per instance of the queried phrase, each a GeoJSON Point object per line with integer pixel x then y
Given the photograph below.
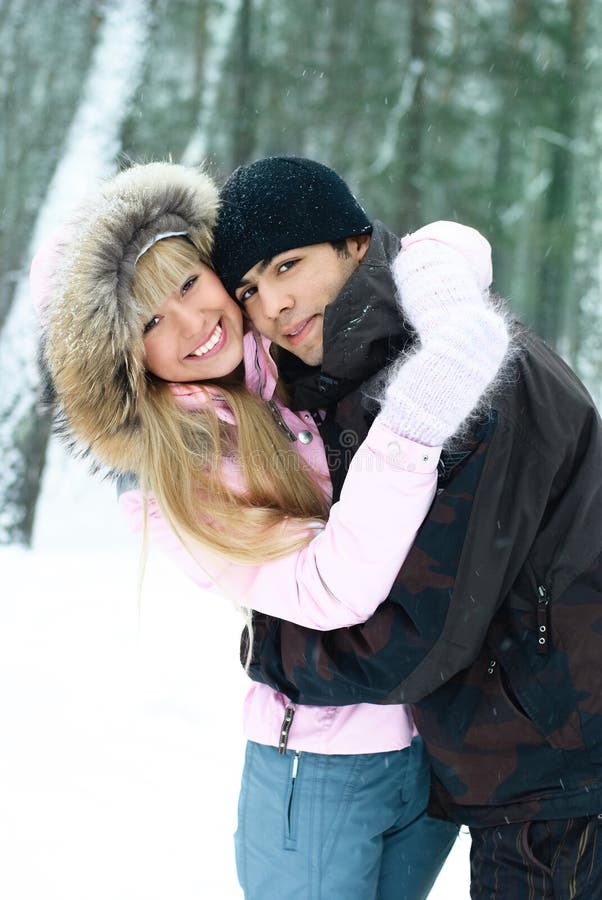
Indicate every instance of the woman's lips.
{"type": "Point", "coordinates": [214, 343]}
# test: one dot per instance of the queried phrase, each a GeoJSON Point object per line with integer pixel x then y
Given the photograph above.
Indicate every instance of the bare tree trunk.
{"type": "Point", "coordinates": [584, 331]}
{"type": "Point", "coordinates": [211, 60]}
{"type": "Point", "coordinates": [552, 318]}
{"type": "Point", "coordinates": [414, 125]}
{"type": "Point", "coordinates": [243, 138]}
{"type": "Point", "coordinates": [510, 68]}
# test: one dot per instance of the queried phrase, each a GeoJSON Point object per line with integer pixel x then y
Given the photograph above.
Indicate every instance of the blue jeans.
{"type": "Point", "coordinates": [318, 827]}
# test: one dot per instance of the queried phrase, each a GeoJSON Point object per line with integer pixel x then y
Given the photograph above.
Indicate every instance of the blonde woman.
{"type": "Point", "coordinates": [154, 376]}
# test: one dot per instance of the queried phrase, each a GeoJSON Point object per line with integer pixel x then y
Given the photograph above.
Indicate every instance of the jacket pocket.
{"type": "Point", "coordinates": [511, 722]}
{"type": "Point", "coordinates": [535, 676]}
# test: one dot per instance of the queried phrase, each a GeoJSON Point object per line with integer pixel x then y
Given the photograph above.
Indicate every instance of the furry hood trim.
{"type": "Point", "coordinates": [93, 351]}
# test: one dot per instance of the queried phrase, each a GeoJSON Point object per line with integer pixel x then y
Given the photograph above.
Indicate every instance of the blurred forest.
{"type": "Point", "coordinates": [484, 111]}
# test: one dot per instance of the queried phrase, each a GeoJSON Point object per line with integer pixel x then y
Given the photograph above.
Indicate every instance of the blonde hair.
{"type": "Point", "coordinates": [182, 452]}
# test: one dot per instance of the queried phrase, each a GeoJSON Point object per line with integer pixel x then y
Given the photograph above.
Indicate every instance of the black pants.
{"type": "Point", "coordinates": [551, 860]}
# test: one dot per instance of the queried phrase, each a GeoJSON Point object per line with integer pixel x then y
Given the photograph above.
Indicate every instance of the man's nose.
{"type": "Point", "coordinates": [274, 301]}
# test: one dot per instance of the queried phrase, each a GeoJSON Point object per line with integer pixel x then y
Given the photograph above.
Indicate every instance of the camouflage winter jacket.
{"type": "Point", "coordinates": [493, 629]}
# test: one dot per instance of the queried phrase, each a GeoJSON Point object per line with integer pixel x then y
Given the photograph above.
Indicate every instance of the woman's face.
{"type": "Point", "coordinates": [196, 334]}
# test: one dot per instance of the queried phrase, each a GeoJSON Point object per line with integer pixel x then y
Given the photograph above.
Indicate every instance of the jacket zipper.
{"type": "Point", "coordinates": [289, 715]}
{"type": "Point", "coordinates": [280, 421]}
{"type": "Point", "coordinates": [543, 620]}
{"type": "Point", "coordinates": [259, 372]}
{"type": "Point", "coordinates": [272, 403]}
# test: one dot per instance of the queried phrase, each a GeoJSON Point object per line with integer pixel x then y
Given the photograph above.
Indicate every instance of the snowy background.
{"type": "Point", "coordinates": [120, 758]}
{"type": "Point", "coordinates": [120, 738]}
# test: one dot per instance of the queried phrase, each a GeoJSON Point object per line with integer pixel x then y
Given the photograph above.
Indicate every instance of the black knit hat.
{"type": "Point", "coordinates": [276, 204]}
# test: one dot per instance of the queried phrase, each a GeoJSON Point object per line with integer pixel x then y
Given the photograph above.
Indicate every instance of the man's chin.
{"type": "Point", "coordinates": [313, 359]}
{"type": "Point", "coordinates": [311, 356]}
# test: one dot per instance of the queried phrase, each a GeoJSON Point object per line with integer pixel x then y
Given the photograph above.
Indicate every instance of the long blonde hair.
{"type": "Point", "coordinates": [182, 452]}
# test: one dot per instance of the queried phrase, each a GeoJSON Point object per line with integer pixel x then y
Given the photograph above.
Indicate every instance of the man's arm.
{"type": "Point", "coordinates": [516, 503]}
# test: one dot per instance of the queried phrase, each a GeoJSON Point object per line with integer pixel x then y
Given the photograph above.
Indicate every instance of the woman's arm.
{"type": "Point", "coordinates": [347, 569]}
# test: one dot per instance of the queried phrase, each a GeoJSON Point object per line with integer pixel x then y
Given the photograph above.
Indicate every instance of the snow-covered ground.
{"type": "Point", "coordinates": [120, 737]}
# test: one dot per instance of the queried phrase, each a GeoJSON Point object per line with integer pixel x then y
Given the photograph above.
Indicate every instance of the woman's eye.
{"type": "Point", "coordinates": [151, 324]}
{"type": "Point", "coordinates": [188, 284]}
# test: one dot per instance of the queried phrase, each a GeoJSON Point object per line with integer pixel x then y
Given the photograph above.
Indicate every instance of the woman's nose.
{"type": "Point", "coordinates": [191, 319]}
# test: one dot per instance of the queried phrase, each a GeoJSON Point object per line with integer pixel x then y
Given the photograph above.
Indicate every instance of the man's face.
{"type": "Point", "coordinates": [285, 296]}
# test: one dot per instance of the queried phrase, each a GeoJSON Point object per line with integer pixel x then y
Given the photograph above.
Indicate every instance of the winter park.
{"type": "Point", "coordinates": [126, 719]}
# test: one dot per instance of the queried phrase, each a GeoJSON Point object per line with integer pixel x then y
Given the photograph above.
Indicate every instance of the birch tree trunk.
{"type": "Point", "coordinates": [91, 148]}
{"type": "Point", "coordinates": [42, 64]}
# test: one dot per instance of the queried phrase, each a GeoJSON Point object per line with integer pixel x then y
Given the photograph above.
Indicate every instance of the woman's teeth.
{"type": "Point", "coordinates": [210, 344]}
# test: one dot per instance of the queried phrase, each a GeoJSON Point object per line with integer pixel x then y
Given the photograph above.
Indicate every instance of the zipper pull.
{"type": "Point", "coordinates": [289, 715]}
{"type": "Point", "coordinates": [543, 620]}
{"type": "Point", "coordinates": [295, 764]}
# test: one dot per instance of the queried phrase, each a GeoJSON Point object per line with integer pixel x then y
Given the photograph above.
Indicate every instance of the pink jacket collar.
{"type": "Point", "coordinates": [260, 377]}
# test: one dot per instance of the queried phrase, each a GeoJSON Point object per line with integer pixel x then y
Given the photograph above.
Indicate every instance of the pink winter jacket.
{"type": "Point", "coordinates": [337, 580]}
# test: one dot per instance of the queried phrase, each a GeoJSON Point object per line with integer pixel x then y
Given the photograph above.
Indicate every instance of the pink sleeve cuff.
{"type": "Point", "coordinates": [401, 452]}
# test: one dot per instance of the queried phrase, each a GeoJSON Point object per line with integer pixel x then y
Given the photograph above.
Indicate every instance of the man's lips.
{"type": "Point", "coordinates": [299, 332]}
{"type": "Point", "coordinates": [211, 345]}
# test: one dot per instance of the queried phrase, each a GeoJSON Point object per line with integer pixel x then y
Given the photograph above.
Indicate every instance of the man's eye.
{"type": "Point", "coordinates": [247, 294]}
{"type": "Point", "coordinates": [151, 324]}
{"type": "Point", "coordinates": [188, 284]}
{"type": "Point", "coordinates": [285, 266]}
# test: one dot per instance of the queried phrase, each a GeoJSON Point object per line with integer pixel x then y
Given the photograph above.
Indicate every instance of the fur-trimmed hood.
{"type": "Point", "coordinates": [92, 327]}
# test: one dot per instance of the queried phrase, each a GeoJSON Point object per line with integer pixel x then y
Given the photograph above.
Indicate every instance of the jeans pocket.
{"type": "Point", "coordinates": [528, 851]}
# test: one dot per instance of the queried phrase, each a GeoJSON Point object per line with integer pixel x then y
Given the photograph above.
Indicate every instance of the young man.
{"type": "Point", "coordinates": [493, 629]}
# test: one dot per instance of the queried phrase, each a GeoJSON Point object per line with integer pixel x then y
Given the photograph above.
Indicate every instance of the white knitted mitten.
{"type": "Point", "coordinates": [463, 340]}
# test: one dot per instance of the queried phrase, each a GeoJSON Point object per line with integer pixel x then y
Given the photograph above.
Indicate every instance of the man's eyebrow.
{"type": "Point", "coordinates": [261, 266]}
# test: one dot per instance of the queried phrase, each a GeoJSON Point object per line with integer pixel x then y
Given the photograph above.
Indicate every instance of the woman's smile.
{"type": "Point", "coordinates": [215, 342]}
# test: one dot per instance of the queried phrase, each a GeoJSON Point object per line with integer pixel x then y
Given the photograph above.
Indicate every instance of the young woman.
{"type": "Point", "coordinates": [144, 351]}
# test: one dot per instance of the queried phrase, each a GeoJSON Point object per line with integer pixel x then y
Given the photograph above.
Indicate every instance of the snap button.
{"type": "Point", "coordinates": [305, 437]}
